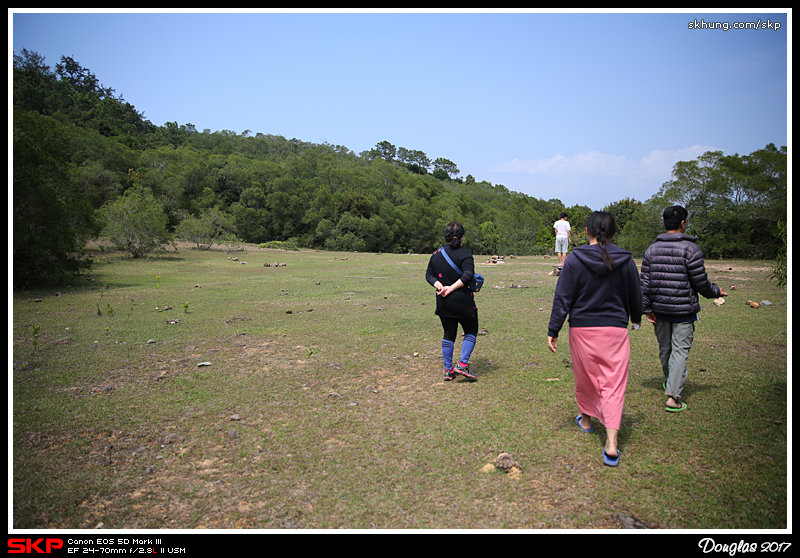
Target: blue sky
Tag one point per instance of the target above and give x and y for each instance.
(588, 108)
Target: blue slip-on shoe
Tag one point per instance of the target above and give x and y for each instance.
(611, 461)
(578, 422)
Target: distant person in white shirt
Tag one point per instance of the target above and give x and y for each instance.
(563, 237)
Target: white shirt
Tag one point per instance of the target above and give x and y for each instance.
(562, 228)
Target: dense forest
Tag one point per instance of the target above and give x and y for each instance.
(88, 165)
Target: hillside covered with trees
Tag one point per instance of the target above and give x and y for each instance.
(87, 164)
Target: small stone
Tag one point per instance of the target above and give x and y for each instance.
(505, 462)
(629, 522)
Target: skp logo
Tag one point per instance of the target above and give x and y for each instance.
(29, 546)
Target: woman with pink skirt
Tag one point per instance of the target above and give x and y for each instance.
(599, 290)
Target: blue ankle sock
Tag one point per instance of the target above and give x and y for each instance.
(467, 345)
(447, 353)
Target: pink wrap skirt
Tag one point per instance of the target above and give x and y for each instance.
(600, 357)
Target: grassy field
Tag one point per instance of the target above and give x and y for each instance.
(194, 391)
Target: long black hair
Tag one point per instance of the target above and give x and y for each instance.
(602, 226)
(453, 234)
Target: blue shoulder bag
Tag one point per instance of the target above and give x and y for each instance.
(477, 279)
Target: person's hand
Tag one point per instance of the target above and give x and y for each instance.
(651, 317)
(450, 288)
(552, 343)
(722, 293)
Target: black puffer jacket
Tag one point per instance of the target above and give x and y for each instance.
(673, 273)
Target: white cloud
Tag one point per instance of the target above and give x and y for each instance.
(581, 163)
(595, 176)
(661, 162)
(658, 162)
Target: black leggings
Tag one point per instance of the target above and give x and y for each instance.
(450, 325)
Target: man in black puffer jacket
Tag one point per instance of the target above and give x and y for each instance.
(673, 273)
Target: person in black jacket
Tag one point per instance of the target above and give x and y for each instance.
(673, 273)
(599, 289)
(455, 303)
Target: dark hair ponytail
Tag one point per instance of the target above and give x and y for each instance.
(601, 225)
(453, 234)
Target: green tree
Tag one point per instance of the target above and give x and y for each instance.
(250, 214)
(403, 155)
(135, 223)
(421, 160)
(643, 226)
(419, 234)
(211, 226)
(385, 150)
(779, 272)
(486, 238)
(33, 83)
(447, 166)
(519, 226)
(622, 211)
(734, 202)
(75, 93)
(51, 219)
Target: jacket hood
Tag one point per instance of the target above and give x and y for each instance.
(591, 256)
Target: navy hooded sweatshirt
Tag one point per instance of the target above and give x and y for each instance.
(593, 295)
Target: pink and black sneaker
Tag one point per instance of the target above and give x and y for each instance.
(464, 370)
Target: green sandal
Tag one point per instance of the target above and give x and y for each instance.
(669, 409)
